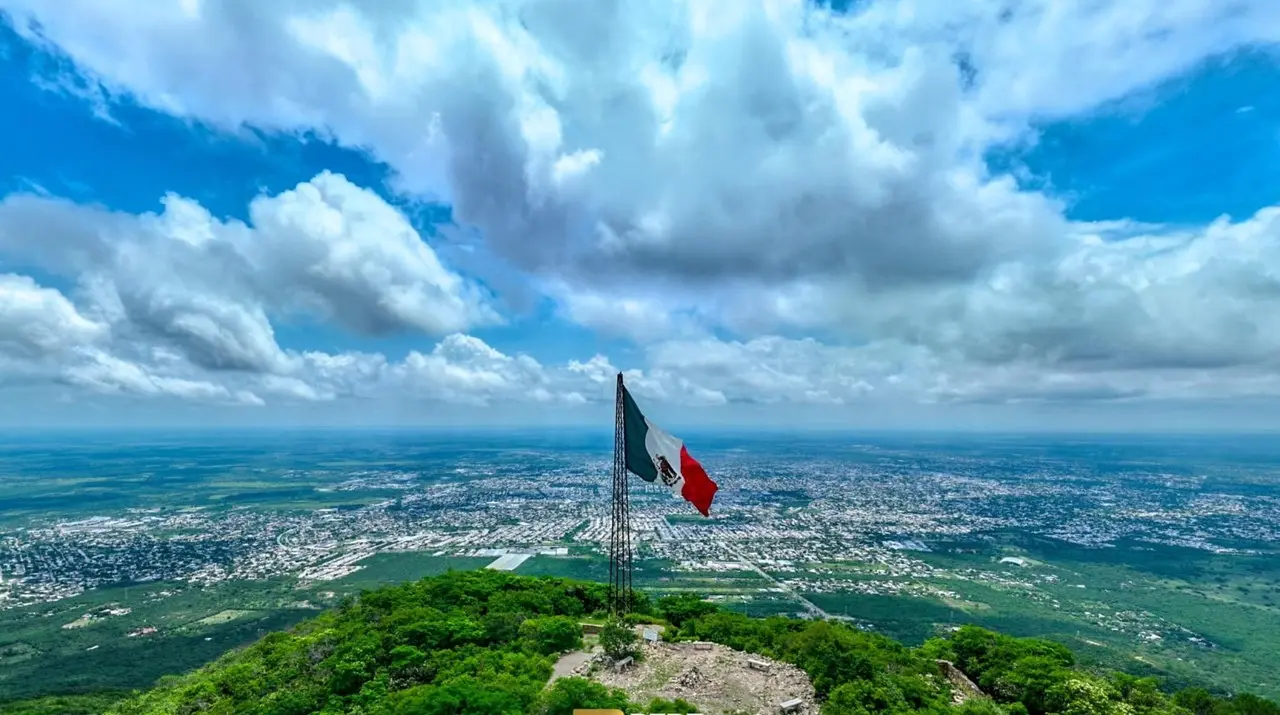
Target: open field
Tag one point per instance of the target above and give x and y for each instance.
(221, 617)
(192, 627)
(382, 569)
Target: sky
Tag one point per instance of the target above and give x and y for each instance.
(879, 214)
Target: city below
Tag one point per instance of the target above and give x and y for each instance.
(1122, 550)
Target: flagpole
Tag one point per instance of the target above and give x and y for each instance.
(613, 499)
(620, 521)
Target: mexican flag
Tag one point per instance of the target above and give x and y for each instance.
(654, 454)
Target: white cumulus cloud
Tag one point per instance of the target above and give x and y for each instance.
(210, 288)
(710, 180)
(38, 322)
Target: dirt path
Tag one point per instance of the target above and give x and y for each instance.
(568, 663)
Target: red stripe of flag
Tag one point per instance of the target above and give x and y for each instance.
(698, 488)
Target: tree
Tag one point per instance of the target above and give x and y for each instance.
(865, 697)
(980, 706)
(831, 656)
(1081, 695)
(679, 705)
(464, 696)
(938, 649)
(567, 694)
(502, 626)
(617, 640)
(1029, 680)
(993, 661)
(1247, 704)
(1198, 700)
(1142, 693)
(407, 666)
(552, 634)
(682, 607)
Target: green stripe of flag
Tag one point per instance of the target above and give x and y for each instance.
(634, 429)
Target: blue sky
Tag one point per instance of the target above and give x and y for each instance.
(1186, 151)
(754, 244)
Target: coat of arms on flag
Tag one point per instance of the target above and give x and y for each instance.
(654, 454)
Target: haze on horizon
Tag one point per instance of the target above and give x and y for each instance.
(892, 214)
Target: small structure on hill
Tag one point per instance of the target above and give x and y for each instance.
(622, 665)
(791, 706)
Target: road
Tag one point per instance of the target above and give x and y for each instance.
(809, 606)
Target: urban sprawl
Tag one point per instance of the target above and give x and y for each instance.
(785, 532)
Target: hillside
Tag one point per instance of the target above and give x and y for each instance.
(485, 643)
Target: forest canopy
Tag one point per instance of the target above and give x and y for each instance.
(485, 642)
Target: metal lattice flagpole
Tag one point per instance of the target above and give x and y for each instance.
(620, 521)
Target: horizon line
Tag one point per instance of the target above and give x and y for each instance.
(718, 429)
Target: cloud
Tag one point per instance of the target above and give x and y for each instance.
(1204, 299)
(45, 337)
(210, 289)
(105, 373)
(780, 372)
(767, 370)
(38, 323)
(1051, 60)
(343, 252)
(465, 369)
(325, 376)
(672, 140)
(667, 142)
(635, 315)
(700, 177)
(182, 305)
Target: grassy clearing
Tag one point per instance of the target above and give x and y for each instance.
(393, 568)
(225, 616)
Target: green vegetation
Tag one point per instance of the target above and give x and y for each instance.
(568, 693)
(484, 642)
(617, 640)
(473, 642)
(94, 704)
(398, 567)
(552, 634)
(847, 666)
(679, 705)
(39, 657)
(1039, 677)
(583, 568)
(1186, 616)
(859, 673)
(223, 617)
(681, 608)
